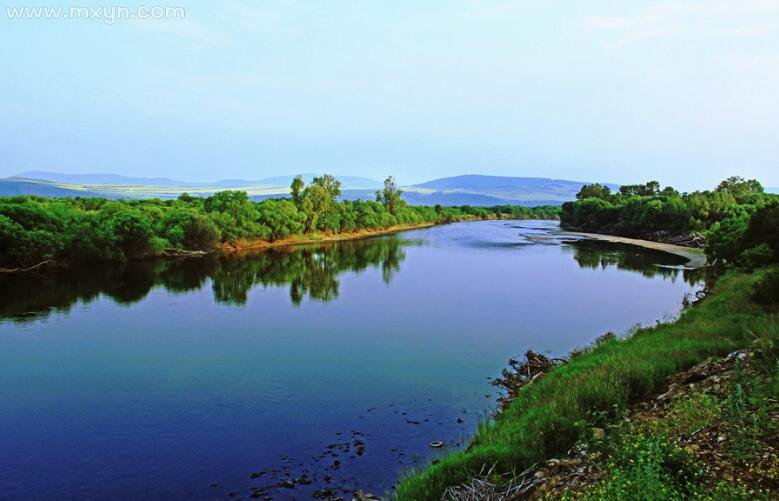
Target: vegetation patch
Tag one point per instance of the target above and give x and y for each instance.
(35, 229)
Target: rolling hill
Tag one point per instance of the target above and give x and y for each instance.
(507, 188)
(349, 182)
(475, 190)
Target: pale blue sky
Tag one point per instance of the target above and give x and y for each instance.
(686, 92)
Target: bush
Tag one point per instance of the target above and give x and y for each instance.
(766, 291)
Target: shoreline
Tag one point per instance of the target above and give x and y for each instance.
(613, 372)
(315, 238)
(695, 257)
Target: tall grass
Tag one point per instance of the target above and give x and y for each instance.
(607, 378)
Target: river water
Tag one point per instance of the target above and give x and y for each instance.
(336, 364)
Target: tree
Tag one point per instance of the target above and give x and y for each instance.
(330, 184)
(132, 231)
(740, 187)
(187, 228)
(390, 196)
(594, 191)
(319, 199)
(650, 189)
(282, 217)
(296, 190)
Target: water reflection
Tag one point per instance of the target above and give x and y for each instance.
(309, 271)
(596, 254)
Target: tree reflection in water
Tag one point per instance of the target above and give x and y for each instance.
(308, 271)
(595, 254)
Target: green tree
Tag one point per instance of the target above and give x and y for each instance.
(594, 191)
(319, 200)
(330, 184)
(296, 190)
(390, 196)
(132, 232)
(739, 187)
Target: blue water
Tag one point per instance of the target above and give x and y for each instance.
(162, 379)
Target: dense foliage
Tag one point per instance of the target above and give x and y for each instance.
(738, 219)
(34, 229)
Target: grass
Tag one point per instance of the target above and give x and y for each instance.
(606, 379)
(644, 459)
(644, 466)
(746, 413)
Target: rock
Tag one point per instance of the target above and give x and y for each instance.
(323, 493)
(436, 444)
(365, 496)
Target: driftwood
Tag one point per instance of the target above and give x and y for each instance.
(521, 374)
(31, 268)
(490, 486)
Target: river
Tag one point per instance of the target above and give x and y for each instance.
(340, 362)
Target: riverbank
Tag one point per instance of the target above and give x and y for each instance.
(316, 238)
(696, 257)
(258, 245)
(597, 385)
(712, 433)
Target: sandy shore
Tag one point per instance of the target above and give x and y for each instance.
(696, 257)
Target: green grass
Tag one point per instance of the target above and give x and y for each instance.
(644, 460)
(542, 421)
(646, 466)
(746, 413)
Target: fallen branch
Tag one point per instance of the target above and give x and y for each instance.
(31, 268)
(522, 374)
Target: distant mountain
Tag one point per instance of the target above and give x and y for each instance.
(347, 182)
(508, 188)
(13, 186)
(460, 190)
(112, 179)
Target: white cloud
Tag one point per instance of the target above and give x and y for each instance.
(690, 19)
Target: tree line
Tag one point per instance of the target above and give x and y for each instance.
(34, 229)
(737, 219)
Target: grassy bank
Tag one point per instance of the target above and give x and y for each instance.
(713, 434)
(545, 419)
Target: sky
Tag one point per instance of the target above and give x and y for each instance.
(682, 91)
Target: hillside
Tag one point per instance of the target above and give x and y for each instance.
(11, 186)
(96, 179)
(473, 190)
(508, 188)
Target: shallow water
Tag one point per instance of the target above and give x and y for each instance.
(160, 379)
